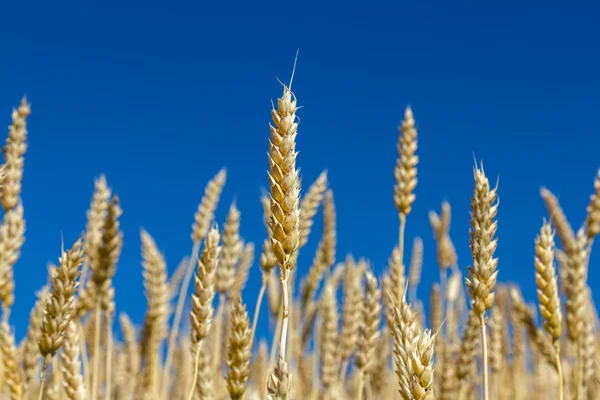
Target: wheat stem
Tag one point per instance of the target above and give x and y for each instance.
(259, 299)
(400, 288)
(43, 376)
(284, 312)
(276, 336)
(484, 356)
(195, 377)
(361, 384)
(84, 358)
(96, 371)
(560, 377)
(107, 393)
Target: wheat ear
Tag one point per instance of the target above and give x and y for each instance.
(350, 315)
(368, 334)
(14, 152)
(547, 291)
(593, 211)
(10, 362)
(12, 237)
(422, 366)
(330, 361)
(309, 205)
(131, 351)
(285, 197)
(202, 299)
(96, 216)
(59, 306)
(483, 273)
(239, 349)
(559, 220)
(71, 364)
(231, 252)
(278, 384)
(155, 320)
(416, 265)
(403, 332)
(30, 349)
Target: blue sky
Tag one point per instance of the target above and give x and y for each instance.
(159, 96)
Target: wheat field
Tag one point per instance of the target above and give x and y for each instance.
(346, 333)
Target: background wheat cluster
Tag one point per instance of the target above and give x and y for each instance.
(339, 332)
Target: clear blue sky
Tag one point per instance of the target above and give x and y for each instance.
(160, 95)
